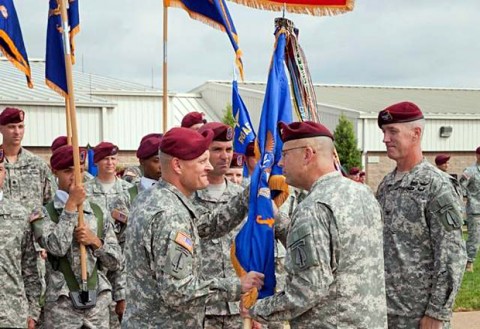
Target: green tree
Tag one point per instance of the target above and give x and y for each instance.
(228, 118)
(346, 144)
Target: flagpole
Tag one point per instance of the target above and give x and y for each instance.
(165, 68)
(73, 119)
(69, 121)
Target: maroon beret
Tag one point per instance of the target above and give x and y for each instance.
(59, 141)
(148, 147)
(103, 150)
(305, 129)
(250, 151)
(354, 171)
(185, 143)
(221, 131)
(193, 118)
(441, 159)
(477, 150)
(362, 173)
(62, 157)
(11, 115)
(156, 135)
(398, 113)
(2, 155)
(237, 160)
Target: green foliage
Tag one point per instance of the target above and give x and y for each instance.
(468, 298)
(346, 144)
(228, 118)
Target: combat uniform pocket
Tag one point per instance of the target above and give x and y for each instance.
(179, 261)
(302, 249)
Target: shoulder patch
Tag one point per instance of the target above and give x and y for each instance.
(184, 240)
(119, 216)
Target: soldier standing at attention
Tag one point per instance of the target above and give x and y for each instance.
(20, 289)
(423, 247)
(216, 252)
(57, 231)
(63, 140)
(28, 176)
(441, 161)
(470, 181)
(111, 193)
(193, 120)
(133, 174)
(163, 248)
(235, 172)
(334, 262)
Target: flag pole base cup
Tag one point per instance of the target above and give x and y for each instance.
(83, 300)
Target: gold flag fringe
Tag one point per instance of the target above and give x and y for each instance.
(17, 59)
(315, 10)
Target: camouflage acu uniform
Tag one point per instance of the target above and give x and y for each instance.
(470, 181)
(117, 198)
(216, 261)
(132, 174)
(334, 261)
(163, 259)
(28, 181)
(20, 288)
(423, 247)
(58, 240)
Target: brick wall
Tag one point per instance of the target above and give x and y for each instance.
(376, 170)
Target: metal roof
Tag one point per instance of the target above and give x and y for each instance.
(371, 99)
(88, 87)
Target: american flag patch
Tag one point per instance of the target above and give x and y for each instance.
(184, 240)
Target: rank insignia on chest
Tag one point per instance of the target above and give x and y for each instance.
(184, 240)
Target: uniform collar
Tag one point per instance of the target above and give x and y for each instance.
(147, 182)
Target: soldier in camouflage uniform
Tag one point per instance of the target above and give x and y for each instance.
(20, 288)
(470, 181)
(111, 193)
(62, 237)
(27, 180)
(334, 263)
(163, 245)
(423, 247)
(216, 252)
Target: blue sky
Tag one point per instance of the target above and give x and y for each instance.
(428, 43)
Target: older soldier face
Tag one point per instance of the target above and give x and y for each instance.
(107, 165)
(13, 133)
(400, 139)
(290, 163)
(195, 173)
(235, 175)
(220, 157)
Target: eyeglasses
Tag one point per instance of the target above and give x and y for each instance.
(293, 148)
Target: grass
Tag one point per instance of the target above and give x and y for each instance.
(468, 298)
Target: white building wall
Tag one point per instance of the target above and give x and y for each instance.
(44, 123)
(131, 119)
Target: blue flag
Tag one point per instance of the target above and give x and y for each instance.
(55, 75)
(215, 13)
(244, 133)
(254, 245)
(92, 168)
(11, 40)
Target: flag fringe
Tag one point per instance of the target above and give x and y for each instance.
(17, 59)
(250, 297)
(72, 35)
(277, 183)
(199, 17)
(56, 88)
(315, 10)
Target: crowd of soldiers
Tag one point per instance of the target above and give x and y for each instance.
(158, 241)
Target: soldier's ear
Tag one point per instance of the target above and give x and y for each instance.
(177, 165)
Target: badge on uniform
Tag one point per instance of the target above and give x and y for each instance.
(119, 216)
(386, 116)
(184, 240)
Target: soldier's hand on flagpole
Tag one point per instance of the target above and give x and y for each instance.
(85, 236)
(31, 323)
(76, 197)
(252, 280)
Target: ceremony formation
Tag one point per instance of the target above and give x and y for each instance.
(300, 213)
